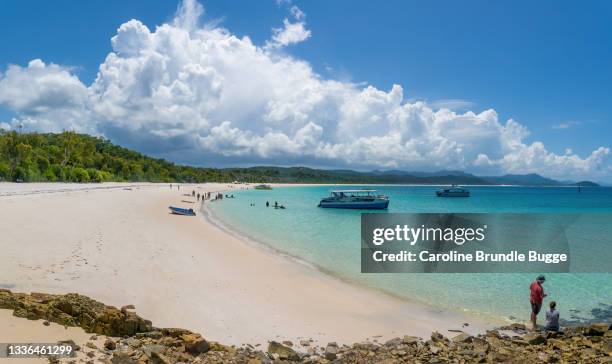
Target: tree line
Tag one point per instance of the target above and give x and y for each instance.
(72, 157)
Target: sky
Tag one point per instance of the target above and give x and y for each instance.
(485, 87)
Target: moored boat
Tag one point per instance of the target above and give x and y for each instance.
(453, 191)
(263, 187)
(181, 211)
(355, 199)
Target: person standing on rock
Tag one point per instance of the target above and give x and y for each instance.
(536, 297)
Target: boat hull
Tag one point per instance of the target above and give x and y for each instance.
(453, 194)
(374, 205)
(181, 211)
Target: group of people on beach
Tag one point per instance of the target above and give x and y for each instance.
(536, 298)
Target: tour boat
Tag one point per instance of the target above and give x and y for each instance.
(355, 199)
(453, 191)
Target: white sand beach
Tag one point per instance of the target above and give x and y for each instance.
(117, 243)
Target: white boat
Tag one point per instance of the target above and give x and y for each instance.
(263, 187)
(355, 199)
(453, 191)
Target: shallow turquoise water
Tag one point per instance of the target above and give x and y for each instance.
(330, 239)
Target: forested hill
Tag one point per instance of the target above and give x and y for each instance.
(71, 157)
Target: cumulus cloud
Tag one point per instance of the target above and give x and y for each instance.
(205, 94)
(290, 33)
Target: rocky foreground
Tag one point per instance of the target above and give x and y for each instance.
(134, 340)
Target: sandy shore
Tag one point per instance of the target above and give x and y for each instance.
(118, 244)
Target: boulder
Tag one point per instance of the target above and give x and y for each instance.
(110, 344)
(283, 352)
(331, 351)
(195, 344)
(410, 340)
(462, 338)
(599, 329)
(437, 337)
(534, 338)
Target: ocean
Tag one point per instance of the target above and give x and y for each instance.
(330, 240)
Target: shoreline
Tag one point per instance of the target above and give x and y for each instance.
(208, 281)
(267, 248)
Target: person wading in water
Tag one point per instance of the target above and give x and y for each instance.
(536, 297)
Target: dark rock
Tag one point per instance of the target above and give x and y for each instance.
(534, 338)
(331, 351)
(110, 344)
(599, 328)
(283, 352)
(462, 338)
(195, 344)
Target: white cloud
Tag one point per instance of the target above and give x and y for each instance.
(566, 124)
(290, 33)
(203, 93)
(452, 104)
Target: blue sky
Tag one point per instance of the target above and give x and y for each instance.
(545, 64)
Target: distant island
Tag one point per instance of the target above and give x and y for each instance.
(72, 157)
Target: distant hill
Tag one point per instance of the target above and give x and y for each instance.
(71, 157)
(531, 179)
(586, 184)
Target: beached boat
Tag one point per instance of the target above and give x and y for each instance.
(355, 199)
(263, 187)
(181, 211)
(453, 191)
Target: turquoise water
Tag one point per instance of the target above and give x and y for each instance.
(330, 239)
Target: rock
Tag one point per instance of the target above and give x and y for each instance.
(514, 327)
(305, 342)
(462, 338)
(46, 323)
(110, 344)
(195, 344)
(128, 307)
(91, 345)
(283, 352)
(437, 337)
(288, 343)
(599, 329)
(410, 340)
(534, 338)
(74, 346)
(157, 358)
(331, 351)
(394, 342)
(606, 346)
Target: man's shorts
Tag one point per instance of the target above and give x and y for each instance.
(535, 308)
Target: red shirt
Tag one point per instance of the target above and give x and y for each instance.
(537, 293)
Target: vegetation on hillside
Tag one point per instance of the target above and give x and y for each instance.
(72, 157)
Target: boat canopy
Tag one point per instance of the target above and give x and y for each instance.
(352, 191)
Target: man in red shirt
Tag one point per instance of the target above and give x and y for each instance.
(536, 298)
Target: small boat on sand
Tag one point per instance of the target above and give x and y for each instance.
(355, 199)
(181, 211)
(453, 191)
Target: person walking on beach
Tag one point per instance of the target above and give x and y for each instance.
(552, 318)
(267, 203)
(536, 297)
